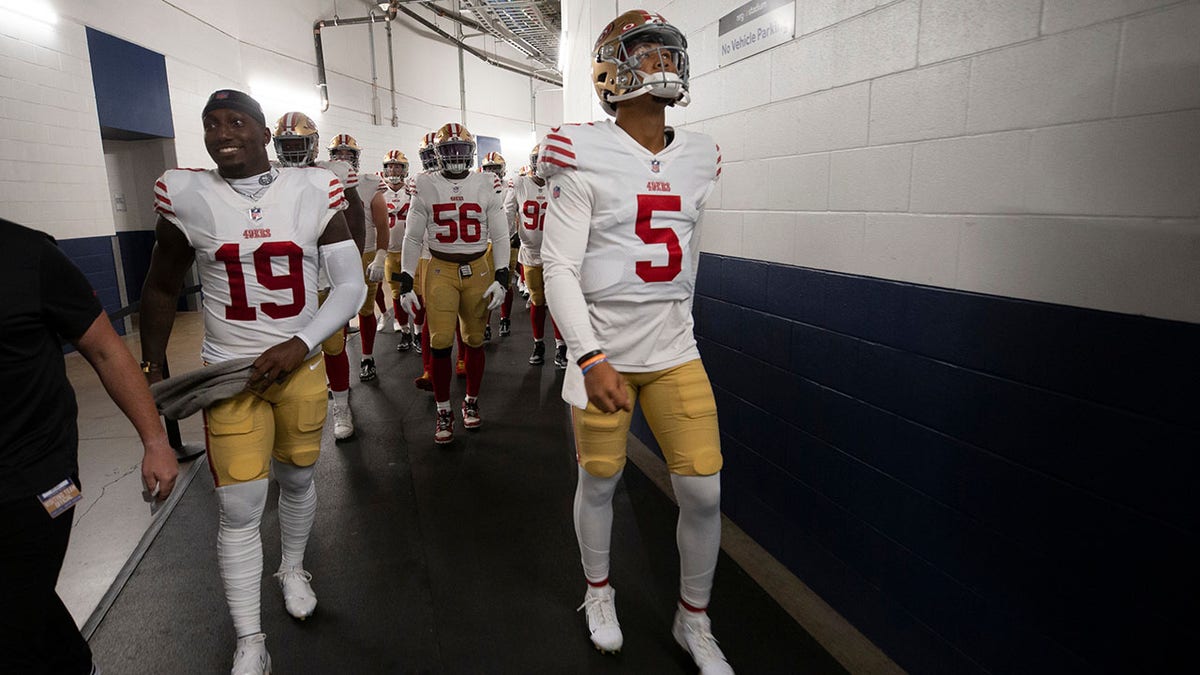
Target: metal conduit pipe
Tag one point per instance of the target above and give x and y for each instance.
(475, 52)
(392, 74)
(374, 71)
(322, 84)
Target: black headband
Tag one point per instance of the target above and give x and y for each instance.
(236, 100)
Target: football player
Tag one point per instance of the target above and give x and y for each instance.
(461, 212)
(395, 178)
(296, 145)
(526, 209)
(255, 233)
(493, 162)
(620, 248)
(370, 188)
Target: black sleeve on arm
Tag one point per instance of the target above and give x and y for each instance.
(69, 305)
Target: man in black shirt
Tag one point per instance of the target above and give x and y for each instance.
(44, 297)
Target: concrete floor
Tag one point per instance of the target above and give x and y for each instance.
(112, 518)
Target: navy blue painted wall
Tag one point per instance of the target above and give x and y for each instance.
(94, 257)
(123, 72)
(979, 484)
(136, 247)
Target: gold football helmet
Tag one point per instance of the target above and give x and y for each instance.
(296, 139)
(531, 170)
(455, 147)
(429, 160)
(630, 41)
(345, 148)
(395, 168)
(493, 162)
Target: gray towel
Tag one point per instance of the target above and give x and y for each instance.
(185, 395)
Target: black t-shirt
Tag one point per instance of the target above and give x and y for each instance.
(42, 296)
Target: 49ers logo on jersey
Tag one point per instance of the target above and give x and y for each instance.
(658, 186)
(257, 233)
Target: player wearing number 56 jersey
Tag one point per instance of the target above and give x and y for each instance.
(620, 247)
(255, 233)
(458, 212)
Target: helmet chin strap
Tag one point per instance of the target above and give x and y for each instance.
(664, 85)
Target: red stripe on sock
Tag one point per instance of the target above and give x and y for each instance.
(597, 584)
(698, 610)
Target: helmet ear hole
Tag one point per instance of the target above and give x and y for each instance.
(603, 77)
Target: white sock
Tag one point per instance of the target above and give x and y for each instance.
(297, 510)
(593, 522)
(698, 535)
(239, 552)
(443, 405)
(559, 343)
(342, 397)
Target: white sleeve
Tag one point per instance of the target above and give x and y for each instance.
(343, 263)
(512, 210)
(415, 226)
(564, 242)
(498, 233)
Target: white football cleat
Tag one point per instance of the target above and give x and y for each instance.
(251, 657)
(601, 609)
(298, 596)
(693, 632)
(343, 421)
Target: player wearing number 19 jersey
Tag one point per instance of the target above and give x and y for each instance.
(620, 247)
(255, 232)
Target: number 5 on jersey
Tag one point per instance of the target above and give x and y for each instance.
(646, 269)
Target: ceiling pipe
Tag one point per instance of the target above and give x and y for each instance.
(322, 84)
(471, 50)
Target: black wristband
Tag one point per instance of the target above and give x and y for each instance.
(585, 357)
(405, 280)
(514, 241)
(502, 277)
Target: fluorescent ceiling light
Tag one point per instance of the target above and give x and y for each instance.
(287, 98)
(34, 10)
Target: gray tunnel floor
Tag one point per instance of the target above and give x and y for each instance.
(456, 560)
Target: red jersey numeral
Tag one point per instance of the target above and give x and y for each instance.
(646, 269)
(461, 225)
(535, 215)
(292, 280)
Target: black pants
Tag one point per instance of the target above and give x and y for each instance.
(37, 633)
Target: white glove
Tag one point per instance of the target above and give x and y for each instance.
(494, 295)
(410, 303)
(375, 269)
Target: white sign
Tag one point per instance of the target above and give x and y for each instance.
(754, 27)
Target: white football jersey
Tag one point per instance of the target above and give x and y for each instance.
(527, 208)
(369, 185)
(457, 215)
(344, 171)
(621, 243)
(257, 259)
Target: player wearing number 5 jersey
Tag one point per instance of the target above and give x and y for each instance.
(460, 211)
(255, 233)
(620, 247)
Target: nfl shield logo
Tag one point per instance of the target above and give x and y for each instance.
(555, 193)
(654, 165)
(256, 214)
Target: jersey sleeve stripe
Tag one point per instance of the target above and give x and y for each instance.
(560, 151)
(558, 137)
(338, 191)
(551, 160)
(333, 182)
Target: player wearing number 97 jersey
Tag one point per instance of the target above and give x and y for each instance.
(620, 247)
(255, 233)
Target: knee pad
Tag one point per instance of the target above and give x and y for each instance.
(241, 505)
(334, 344)
(603, 468)
(293, 478)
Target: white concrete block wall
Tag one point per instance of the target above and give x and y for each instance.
(48, 108)
(1040, 149)
(49, 135)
